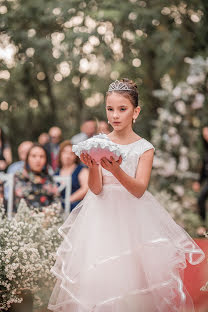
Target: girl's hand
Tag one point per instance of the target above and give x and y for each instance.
(88, 160)
(111, 165)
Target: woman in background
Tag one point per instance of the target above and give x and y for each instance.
(33, 183)
(5, 152)
(69, 165)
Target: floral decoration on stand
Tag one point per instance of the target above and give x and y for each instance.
(176, 135)
(28, 243)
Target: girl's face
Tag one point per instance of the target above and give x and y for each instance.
(67, 156)
(37, 159)
(120, 111)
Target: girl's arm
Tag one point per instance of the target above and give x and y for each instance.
(80, 193)
(138, 185)
(95, 174)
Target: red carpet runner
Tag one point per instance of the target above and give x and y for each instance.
(197, 276)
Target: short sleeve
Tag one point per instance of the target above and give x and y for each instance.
(147, 146)
(143, 146)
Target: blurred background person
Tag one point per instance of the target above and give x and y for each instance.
(23, 149)
(33, 183)
(202, 185)
(5, 152)
(69, 164)
(88, 129)
(103, 127)
(52, 147)
(43, 138)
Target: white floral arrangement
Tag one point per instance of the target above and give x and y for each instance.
(99, 146)
(176, 133)
(28, 243)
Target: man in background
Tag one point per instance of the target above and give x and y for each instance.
(52, 148)
(103, 127)
(88, 129)
(43, 138)
(23, 149)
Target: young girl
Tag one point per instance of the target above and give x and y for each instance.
(122, 252)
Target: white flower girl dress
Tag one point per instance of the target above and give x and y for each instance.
(121, 253)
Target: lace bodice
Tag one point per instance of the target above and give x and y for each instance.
(132, 153)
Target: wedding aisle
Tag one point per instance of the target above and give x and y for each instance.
(197, 276)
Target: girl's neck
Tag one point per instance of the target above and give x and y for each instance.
(123, 136)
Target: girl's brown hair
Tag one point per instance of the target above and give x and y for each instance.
(132, 92)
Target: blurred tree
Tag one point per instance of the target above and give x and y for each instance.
(58, 57)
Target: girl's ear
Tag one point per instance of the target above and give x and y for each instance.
(136, 112)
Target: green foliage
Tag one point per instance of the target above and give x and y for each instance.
(64, 52)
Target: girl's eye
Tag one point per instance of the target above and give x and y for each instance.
(109, 109)
(123, 109)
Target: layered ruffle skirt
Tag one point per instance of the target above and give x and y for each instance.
(122, 254)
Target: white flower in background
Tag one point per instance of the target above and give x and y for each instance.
(88, 48)
(198, 101)
(172, 131)
(180, 107)
(175, 140)
(177, 91)
(166, 83)
(177, 119)
(160, 94)
(169, 168)
(179, 189)
(165, 137)
(183, 150)
(183, 163)
(157, 162)
(196, 79)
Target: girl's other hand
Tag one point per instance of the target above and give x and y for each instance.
(88, 160)
(111, 165)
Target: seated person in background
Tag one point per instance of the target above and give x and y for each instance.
(43, 138)
(52, 147)
(69, 165)
(34, 184)
(88, 129)
(5, 152)
(23, 149)
(103, 127)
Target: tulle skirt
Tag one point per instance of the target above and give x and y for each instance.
(122, 254)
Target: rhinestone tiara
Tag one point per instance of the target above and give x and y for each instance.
(118, 86)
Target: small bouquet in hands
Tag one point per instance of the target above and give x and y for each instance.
(98, 147)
